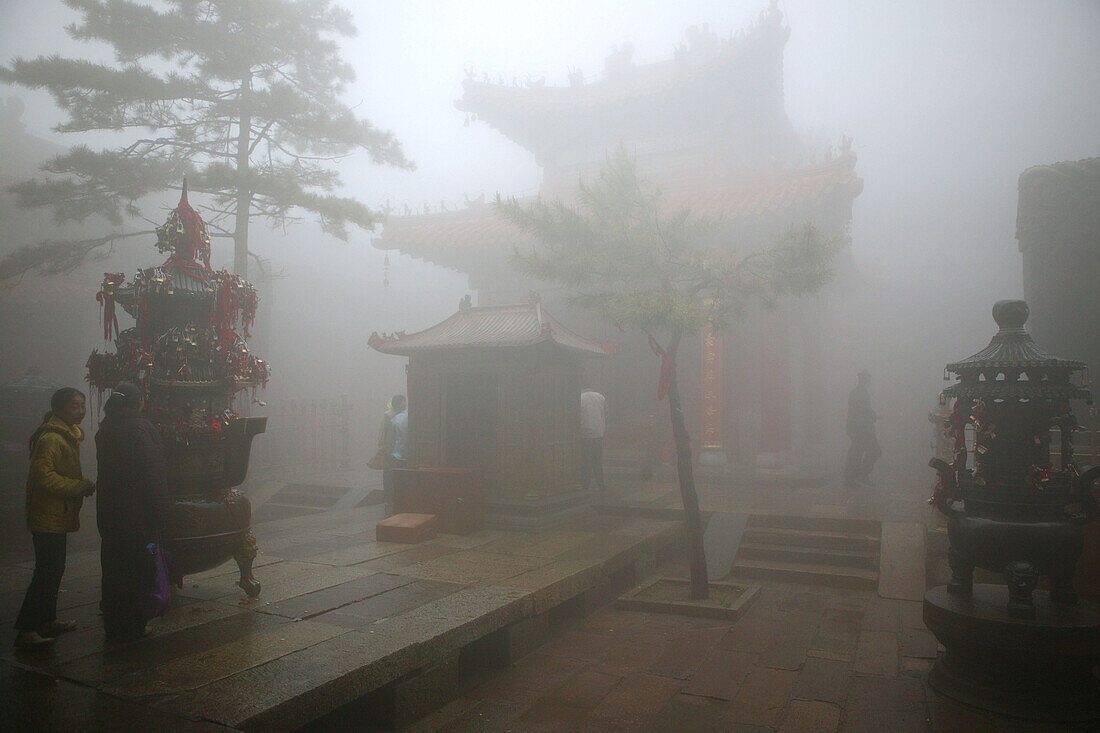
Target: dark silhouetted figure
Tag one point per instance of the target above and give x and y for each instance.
(865, 449)
(131, 509)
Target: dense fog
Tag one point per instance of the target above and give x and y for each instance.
(946, 103)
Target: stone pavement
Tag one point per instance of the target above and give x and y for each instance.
(800, 660)
(340, 616)
(501, 631)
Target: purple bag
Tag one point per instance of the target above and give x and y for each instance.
(158, 595)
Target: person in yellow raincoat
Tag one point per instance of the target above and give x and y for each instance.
(55, 492)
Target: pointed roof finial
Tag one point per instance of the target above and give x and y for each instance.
(183, 196)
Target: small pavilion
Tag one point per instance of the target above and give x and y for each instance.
(497, 389)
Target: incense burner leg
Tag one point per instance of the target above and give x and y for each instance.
(1021, 578)
(962, 573)
(244, 556)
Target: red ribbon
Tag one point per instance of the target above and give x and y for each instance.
(668, 363)
(110, 318)
(106, 299)
(194, 230)
(223, 314)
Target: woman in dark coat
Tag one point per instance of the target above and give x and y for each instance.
(131, 509)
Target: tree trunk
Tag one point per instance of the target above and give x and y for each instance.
(697, 559)
(244, 185)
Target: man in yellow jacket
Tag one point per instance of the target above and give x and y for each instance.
(55, 492)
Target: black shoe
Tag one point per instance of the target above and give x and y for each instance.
(32, 640)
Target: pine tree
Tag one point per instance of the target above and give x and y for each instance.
(626, 257)
(241, 96)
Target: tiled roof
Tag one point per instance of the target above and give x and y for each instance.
(706, 69)
(489, 326)
(1013, 366)
(450, 238)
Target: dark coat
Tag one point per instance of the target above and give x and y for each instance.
(132, 493)
(861, 418)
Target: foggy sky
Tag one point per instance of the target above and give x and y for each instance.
(947, 102)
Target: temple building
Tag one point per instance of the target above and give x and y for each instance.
(709, 127)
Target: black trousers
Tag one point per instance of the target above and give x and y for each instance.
(40, 603)
(862, 455)
(125, 582)
(591, 462)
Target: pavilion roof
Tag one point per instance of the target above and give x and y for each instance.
(453, 238)
(708, 74)
(489, 327)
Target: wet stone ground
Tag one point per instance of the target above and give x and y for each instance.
(801, 659)
(342, 615)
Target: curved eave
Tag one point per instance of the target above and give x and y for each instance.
(985, 365)
(453, 238)
(1016, 391)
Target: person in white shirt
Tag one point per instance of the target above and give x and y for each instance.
(593, 426)
(395, 442)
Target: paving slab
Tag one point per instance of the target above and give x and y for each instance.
(34, 701)
(720, 675)
(340, 615)
(473, 566)
(811, 717)
(393, 601)
(823, 680)
(901, 561)
(634, 700)
(877, 653)
(335, 597)
(195, 670)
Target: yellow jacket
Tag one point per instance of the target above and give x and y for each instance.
(55, 486)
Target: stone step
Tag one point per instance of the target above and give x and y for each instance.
(809, 555)
(793, 572)
(825, 540)
(841, 525)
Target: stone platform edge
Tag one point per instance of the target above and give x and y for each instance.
(303, 686)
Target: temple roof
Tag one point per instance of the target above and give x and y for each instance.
(452, 238)
(489, 327)
(712, 89)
